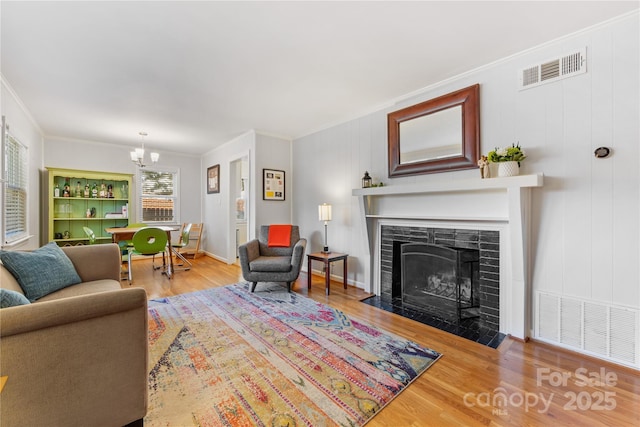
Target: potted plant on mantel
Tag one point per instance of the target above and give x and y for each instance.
(508, 159)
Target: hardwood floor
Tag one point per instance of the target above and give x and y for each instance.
(471, 385)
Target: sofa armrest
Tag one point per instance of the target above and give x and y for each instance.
(248, 252)
(75, 361)
(49, 314)
(95, 262)
(298, 254)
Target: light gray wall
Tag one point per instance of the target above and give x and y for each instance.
(263, 151)
(96, 156)
(586, 217)
(25, 130)
(272, 153)
(219, 223)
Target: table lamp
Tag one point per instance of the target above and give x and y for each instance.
(324, 214)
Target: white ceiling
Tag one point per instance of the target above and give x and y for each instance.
(194, 75)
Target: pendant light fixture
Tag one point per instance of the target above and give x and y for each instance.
(137, 156)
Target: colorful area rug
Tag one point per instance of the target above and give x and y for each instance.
(227, 357)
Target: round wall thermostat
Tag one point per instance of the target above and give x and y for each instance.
(602, 152)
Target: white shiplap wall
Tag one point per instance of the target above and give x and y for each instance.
(586, 218)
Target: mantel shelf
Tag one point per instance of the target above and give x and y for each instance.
(440, 218)
(476, 184)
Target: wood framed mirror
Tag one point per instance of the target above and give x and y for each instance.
(439, 135)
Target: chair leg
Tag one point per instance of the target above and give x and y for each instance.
(253, 286)
(289, 287)
(153, 262)
(166, 266)
(136, 423)
(183, 259)
(124, 274)
(129, 266)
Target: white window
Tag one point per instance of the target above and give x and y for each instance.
(158, 199)
(15, 189)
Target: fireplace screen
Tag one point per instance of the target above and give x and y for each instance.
(440, 278)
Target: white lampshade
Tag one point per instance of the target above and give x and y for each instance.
(324, 212)
(140, 153)
(134, 156)
(155, 157)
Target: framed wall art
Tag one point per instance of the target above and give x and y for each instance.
(273, 184)
(213, 179)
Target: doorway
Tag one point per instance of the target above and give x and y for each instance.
(239, 191)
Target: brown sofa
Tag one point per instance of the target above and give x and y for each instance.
(78, 356)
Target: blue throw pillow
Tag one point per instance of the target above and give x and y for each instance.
(42, 271)
(9, 298)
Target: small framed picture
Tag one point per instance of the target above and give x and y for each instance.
(273, 184)
(213, 179)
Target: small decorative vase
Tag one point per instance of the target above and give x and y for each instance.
(508, 169)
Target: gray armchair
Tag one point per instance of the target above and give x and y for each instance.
(261, 263)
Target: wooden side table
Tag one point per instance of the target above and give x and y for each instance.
(327, 259)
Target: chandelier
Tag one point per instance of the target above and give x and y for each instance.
(137, 156)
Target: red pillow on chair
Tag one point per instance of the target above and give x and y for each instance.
(279, 235)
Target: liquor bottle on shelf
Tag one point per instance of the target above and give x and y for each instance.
(110, 191)
(66, 192)
(78, 189)
(87, 192)
(56, 191)
(103, 191)
(94, 191)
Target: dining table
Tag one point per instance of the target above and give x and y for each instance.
(119, 234)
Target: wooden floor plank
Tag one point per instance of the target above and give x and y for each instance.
(459, 389)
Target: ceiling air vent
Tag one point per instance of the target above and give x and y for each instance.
(554, 69)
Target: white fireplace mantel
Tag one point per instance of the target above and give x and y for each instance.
(513, 192)
(513, 182)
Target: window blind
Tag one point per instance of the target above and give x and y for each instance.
(158, 196)
(15, 191)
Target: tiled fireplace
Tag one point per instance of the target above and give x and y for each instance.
(480, 292)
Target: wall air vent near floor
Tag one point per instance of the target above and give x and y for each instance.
(554, 69)
(605, 330)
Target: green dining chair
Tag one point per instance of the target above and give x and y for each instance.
(182, 243)
(134, 225)
(148, 241)
(90, 234)
(125, 245)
